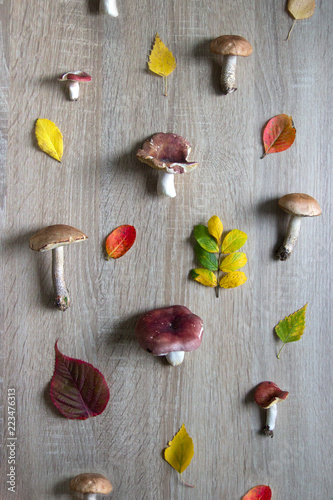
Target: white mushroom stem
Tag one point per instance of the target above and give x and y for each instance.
(270, 420)
(61, 295)
(74, 90)
(228, 74)
(108, 7)
(175, 358)
(291, 238)
(166, 184)
(88, 496)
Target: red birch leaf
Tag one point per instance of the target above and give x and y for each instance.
(260, 492)
(279, 134)
(78, 389)
(120, 241)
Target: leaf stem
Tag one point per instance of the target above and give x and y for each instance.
(165, 87)
(218, 275)
(278, 356)
(292, 27)
(187, 484)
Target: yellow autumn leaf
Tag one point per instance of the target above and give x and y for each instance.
(161, 60)
(180, 451)
(215, 228)
(300, 9)
(233, 241)
(49, 138)
(204, 276)
(233, 262)
(232, 280)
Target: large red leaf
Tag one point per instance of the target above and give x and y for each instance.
(120, 241)
(279, 134)
(260, 492)
(78, 389)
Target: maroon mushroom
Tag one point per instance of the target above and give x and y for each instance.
(267, 395)
(74, 78)
(167, 153)
(169, 331)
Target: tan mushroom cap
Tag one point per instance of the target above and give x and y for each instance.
(55, 236)
(300, 204)
(231, 45)
(90, 482)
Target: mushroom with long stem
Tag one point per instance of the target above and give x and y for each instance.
(298, 205)
(90, 486)
(54, 238)
(267, 395)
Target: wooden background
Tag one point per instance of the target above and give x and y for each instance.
(100, 185)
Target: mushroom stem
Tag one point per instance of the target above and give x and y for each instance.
(175, 358)
(87, 496)
(270, 420)
(74, 90)
(108, 7)
(61, 295)
(228, 74)
(290, 240)
(166, 184)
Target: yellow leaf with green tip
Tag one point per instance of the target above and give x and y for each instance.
(215, 228)
(204, 276)
(291, 328)
(49, 138)
(233, 241)
(233, 262)
(180, 451)
(232, 280)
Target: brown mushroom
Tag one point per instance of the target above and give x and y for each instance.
(169, 331)
(54, 238)
(74, 78)
(230, 46)
(267, 395)
(90, 486)
(298, 205)
(168, 154)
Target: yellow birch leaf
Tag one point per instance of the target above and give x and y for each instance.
(233, 262)
(204, 276)
(49, 138)
(215, 228)
(301, 9)
(161, 60)
(232, 280)
(180, 451)
(291, 328)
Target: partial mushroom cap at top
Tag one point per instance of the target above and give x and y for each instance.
(231, 45)
(167, 152)
(55, 236)
(75, 76)
(91, 483)
(169, 329)
(300, 204)
(268, 394)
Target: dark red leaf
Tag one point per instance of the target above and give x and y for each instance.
(78, 389)
(260, 492)
(120, 241)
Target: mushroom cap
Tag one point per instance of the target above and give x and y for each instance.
(75, 76)
(90, 482)
(167, 152)
(231, 45)
(268, 394)
(169, 329)
(55, 236)
(300, 204)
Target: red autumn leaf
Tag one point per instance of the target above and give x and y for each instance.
(78, 389)
(260, 492)
(279, 134)
(120, 241)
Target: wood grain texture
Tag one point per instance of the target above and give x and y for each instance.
(100, 185)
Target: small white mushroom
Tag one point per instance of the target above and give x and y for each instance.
(108, 7)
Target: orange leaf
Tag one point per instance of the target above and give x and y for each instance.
(120, 241)
(279, 134)
(260, 492)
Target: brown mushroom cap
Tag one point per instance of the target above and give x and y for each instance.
(167, 152)
(55, 236)
(231, 45)
(91, 483)
(169, 329)
(268, 394)
(75, 76)
(300, 204)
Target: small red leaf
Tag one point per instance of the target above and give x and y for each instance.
(78, 389)
(120, 241)
(260, 492)
(279, 134)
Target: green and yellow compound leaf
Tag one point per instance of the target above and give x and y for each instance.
(206, 259)
(204, 276)
(215, 228)
(232, 280)
(291, 328)
(49, 138)
(205, 240)
(161, 60)
(233, 262)
(233, 241)
(180, 451)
